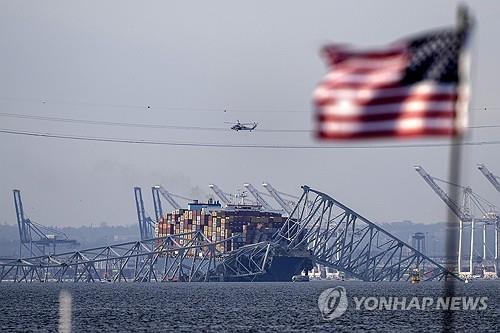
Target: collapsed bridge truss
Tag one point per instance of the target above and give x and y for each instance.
(340, 238)
(185, 257)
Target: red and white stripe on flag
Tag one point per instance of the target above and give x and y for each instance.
(364, 95)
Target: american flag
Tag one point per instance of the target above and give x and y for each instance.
(413, 87)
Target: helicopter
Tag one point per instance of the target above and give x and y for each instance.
(243, 126)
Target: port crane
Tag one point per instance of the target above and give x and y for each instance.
(146, 224)
(223, 196)
(287, 205)
(465, 214)
(258, 196)
(35, 237)
(494, 180)
(169, 196)
(284, 203)
(157, 202)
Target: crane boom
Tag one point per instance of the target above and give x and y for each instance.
(490, 176)
(455, 208)
(256, 194)
(168, 196)
(275, 194)
(222, 196)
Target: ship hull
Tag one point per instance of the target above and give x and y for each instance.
(282, 269)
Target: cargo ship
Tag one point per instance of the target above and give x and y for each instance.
(249, 223)
(284, 268)
(281, 268)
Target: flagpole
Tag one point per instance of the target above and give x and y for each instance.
(452, 226)
(454, 174)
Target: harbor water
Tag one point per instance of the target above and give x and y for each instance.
(233, 307)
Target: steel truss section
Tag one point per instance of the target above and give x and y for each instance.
(247, 262)
(186, 257)
(340, 238)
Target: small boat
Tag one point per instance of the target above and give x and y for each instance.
(300, 278)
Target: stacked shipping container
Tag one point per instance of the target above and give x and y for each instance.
(252, 226)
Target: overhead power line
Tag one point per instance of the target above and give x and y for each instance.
(224, 145)
(164, 126)
(177, 108)
(106, 123)
(125, 124)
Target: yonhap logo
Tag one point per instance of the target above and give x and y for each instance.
(332, 302)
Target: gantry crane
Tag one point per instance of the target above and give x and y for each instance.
(258, 196)
(169, 196)
(146, 224)
(221, 194)
(494, 180)
(287, 205)
(157, 202)
(465, 214)
(35, 237)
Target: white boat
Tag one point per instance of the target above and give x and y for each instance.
(300, 278)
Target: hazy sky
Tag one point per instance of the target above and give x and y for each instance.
(109, 60)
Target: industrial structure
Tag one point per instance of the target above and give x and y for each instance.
(35, 238)
(495, 181)
(340, 238)
(188, 257)
(251, 245)
(258, 197)
(418, 242)
(146, 224)
(170, 197)
(472, 212)
(285, 204)
(223, 196)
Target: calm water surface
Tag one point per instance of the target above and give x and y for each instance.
(231, 307)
